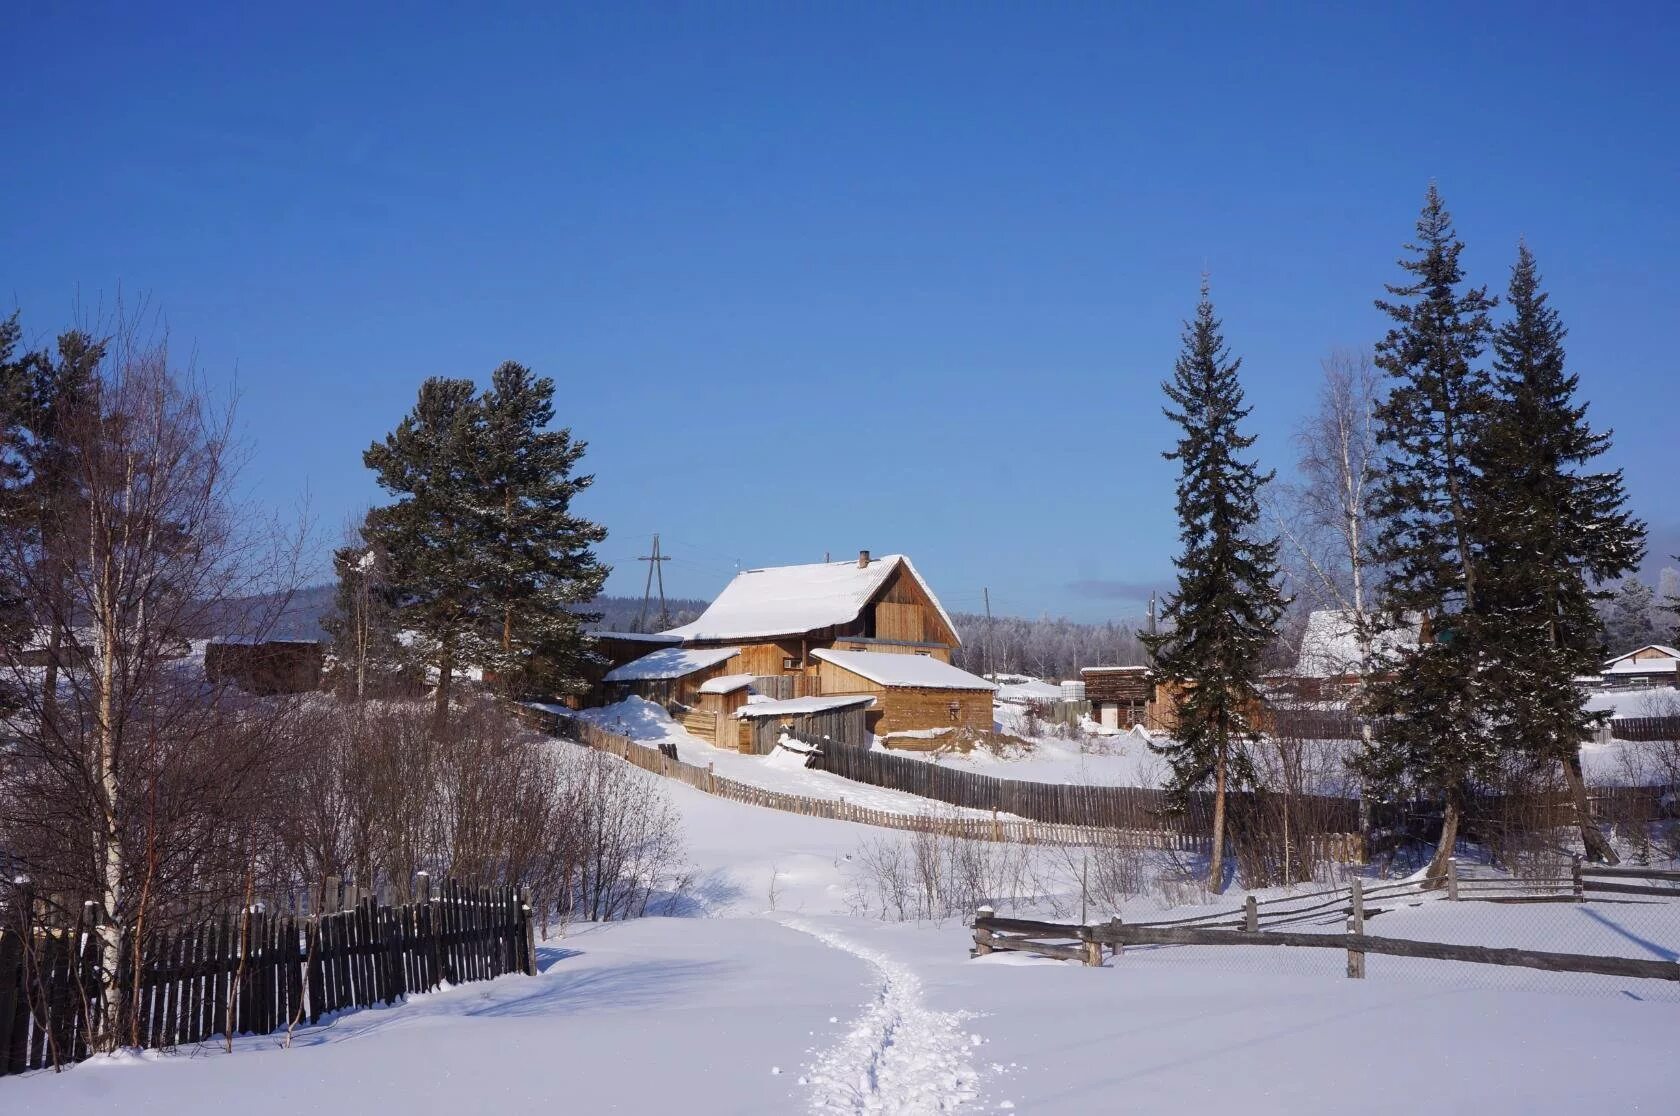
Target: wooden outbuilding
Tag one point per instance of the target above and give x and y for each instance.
(1119, 695)
(1655, 664)
(911, 691)
(671, 674)
(274, 666)
(841, 719)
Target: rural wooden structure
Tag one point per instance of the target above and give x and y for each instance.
(779, 615)
(273, 666)
(1254, 924)
(248, 973)
(671, 674)
(1655, 664)
(1120, 696)
(911, 692)
(840, 720)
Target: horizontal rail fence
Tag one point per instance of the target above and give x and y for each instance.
(1254, 925)
(995, 828)
(1645, 728)
(249, 973)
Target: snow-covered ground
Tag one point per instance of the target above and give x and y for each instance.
(777, 999)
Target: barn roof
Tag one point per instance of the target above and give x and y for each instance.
(790, 600)
(793, 706)
(671, 662)
(639, 637)
(1330, 645)
(919, 671)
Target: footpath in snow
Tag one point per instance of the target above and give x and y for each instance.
(899, 1055)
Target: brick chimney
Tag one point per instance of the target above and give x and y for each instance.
(863, 559)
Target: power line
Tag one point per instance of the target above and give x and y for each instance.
(656, 568)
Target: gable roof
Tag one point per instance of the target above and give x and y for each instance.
(671, 662)
(1666, 661)
(1330, 645)
(791, 600)
(920, 671)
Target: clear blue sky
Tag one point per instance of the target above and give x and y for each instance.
(820, 277)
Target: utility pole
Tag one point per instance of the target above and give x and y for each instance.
(986, 657)
(656, 569)
(1151, 626)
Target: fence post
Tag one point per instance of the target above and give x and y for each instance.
(995, 836)
(1575, 878)
(1356, 926)
(711, 776)
(530, 932)
(982, 936)
(329, 895)
(1115, 947)
(1251, 914)
(1452, 878)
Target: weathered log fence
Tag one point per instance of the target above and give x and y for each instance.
(248, 972)
(1254, 925)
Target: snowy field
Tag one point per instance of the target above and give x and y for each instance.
(774, 998)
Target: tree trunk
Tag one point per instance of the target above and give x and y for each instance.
(109, 836)
(1436, 876)
(440, 711)
(1216, 863)
(1592, 838)
(49, 684)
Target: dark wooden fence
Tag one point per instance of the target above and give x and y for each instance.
(1645, 728)
(248, 973)
(1066, 804)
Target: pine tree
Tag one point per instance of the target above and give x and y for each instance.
(1432, 735)
(1553, 531)
(430, 463)
(1631, 621)
(537, 556)
(1226, 607)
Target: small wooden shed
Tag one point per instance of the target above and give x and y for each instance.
(274, 666)
(910, 691)
(841, 718)
(1119, 695)
(671, 674)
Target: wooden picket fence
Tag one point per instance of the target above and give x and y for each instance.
(991, 824)
(248, 973)
(1645, 728)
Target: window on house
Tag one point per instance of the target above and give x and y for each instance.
(790, 664)
(956, 710)
(924, 654)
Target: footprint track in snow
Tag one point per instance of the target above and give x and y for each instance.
(898, 1055)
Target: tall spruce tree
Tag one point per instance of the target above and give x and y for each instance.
(1433, 735)
(1553, 530)
(430, 462)
(1226, 606)
(538, 560)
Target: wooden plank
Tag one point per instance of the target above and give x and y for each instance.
(1590, 870)
(1632, 889)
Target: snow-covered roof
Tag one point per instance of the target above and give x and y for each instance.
(671, 662)
(921, 671)
(791, 706)
(1330, 645)
(788, 600)
(1665, 661)
(725, 683)
(639, 637)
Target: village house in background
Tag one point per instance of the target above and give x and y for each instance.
(1655, 664)
(803, 636)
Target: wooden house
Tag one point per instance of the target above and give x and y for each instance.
(1655, 664)
(910, 691)
(841, 719)
(671, 674)
(780, 615)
